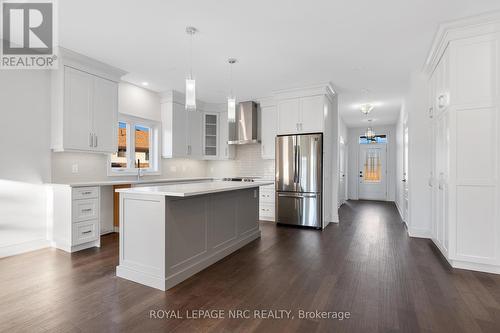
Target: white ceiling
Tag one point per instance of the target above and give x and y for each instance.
(279, 44)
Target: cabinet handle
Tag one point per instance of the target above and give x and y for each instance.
(95, 140)
(86, 193)
(441, 101)
(87, 232)
(431, 113)
(91, 139)
(87, 210)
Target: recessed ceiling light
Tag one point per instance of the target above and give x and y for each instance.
(145, 84)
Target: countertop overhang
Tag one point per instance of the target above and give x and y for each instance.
(192, 189)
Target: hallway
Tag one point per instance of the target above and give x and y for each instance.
(366, 265)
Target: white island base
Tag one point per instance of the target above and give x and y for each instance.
(168, 236)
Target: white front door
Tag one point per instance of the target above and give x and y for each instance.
(372, 172)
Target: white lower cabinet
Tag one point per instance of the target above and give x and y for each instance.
(266, 203)
(464, 110)
(76, 217)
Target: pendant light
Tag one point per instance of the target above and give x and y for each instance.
(190, 82)
(366, 108)
(231, 100)
(370, 133)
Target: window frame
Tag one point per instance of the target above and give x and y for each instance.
(154, 144)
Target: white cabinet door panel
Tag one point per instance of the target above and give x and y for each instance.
(195, 134)
(78, 109)
(288, 116)
(311, 114)
(105, 106)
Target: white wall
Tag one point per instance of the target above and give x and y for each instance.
(353, 153)
(420, 157)
(138, 102)
(25, 160)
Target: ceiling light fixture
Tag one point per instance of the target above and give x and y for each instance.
(366, 108)
(231, 100)
(145, 84)
(370, 133)
(190, 82)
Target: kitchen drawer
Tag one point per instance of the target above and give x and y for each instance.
(86, 231)
(266, 212)
(85, 193)
(87, 209)
(267, 196)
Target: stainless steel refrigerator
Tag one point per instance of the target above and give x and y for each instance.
(299, 179)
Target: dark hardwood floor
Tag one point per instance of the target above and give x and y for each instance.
(366, 265)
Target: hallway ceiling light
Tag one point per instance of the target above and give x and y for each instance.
(370, 133)
(190, 82)
(366, 108)
(231, 100)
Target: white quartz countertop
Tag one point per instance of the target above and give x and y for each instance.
(191, 189)
(135, 182)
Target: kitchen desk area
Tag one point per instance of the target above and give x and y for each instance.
(169, 233)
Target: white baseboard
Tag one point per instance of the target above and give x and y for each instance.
(11, 250)
(472, 266)
(400, 212)
(419, 233)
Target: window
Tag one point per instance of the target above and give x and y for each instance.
(363, 140)
(137, 147)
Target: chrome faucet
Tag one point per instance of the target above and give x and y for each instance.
(139, 173)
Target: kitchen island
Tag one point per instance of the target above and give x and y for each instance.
(169, 233)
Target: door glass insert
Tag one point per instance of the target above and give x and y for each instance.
(373, 166)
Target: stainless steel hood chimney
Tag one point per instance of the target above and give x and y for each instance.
(244, 129)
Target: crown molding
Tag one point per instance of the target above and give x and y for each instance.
(82, 62)
(458, 29)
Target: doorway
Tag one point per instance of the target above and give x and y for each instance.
(372, 167)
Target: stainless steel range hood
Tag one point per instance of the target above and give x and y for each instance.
(244, 129)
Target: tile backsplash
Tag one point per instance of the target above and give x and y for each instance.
(248, 162)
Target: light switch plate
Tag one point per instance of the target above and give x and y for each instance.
(74, 168)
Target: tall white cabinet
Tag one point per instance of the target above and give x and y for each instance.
(84, 104)
(464, 110)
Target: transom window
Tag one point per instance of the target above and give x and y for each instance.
(137, 147)
(363, 140)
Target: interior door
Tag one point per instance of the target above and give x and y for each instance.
(286, 161)
(406, 203)
(372, 166)
(342, 170)
(309, 163)
(105, 108)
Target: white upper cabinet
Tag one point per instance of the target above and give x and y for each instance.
(312, 114)
(301, 115)
(226, 151)
(289, 116)
(84, 104)
(211, 129)
(104, 120)
(181, 131)
(269, 120)
(77, 111)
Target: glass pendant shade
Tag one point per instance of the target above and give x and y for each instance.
(231, 109)
(190, 94)
(370, 134)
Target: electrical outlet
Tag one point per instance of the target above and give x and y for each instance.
(74, 168)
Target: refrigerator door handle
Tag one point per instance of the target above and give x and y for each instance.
(298, 196)
(295, 164)
(298, 165)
